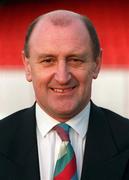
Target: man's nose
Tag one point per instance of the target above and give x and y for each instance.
(62, 74)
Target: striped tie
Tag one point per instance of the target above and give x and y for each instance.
(66, 163)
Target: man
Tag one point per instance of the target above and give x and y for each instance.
(62, 56)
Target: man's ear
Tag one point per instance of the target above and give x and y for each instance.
(27, 67)
(97, 67)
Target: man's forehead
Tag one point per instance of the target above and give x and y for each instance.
(59, 18)
(59, 28)
(55, 20)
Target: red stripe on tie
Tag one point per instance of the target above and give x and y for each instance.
(67, 172)
(61, 132)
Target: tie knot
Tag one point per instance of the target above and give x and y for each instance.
(62, 130)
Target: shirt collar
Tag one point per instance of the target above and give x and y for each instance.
(44, 122)
(79, 122)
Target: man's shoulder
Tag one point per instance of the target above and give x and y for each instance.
(15, 128)
(115, 118)
(16, 118)
(118, 126)
(109, 115)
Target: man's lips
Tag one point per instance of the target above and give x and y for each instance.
(63, 90)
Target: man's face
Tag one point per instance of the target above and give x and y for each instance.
(61, 68)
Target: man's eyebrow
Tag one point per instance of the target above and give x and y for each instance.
(79, 55)
(45, 55)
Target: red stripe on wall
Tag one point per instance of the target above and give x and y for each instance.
(110, 18)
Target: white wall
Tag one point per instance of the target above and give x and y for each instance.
(110, 90)
(15, 92)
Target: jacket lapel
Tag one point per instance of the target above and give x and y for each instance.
(99, 144)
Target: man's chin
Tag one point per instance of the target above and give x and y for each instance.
(63, 115)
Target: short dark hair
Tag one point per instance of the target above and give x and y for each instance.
(95, 43)
(88, 24)
(27, 37)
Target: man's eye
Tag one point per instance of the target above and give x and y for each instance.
(75, 61)
(48, 61)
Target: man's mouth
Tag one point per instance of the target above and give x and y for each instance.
(63, 90)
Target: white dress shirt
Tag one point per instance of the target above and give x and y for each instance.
(49, 142)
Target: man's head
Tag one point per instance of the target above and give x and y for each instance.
(62, 56)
